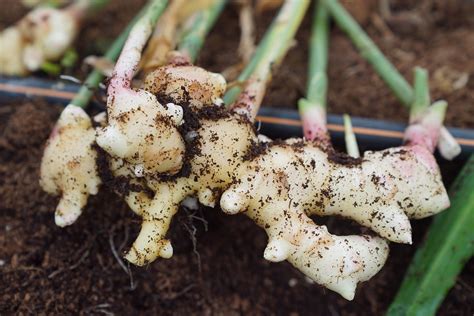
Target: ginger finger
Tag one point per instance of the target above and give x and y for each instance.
(337, 262)
(381, 190)
(140, 130)
(151, 242)
(68, 167)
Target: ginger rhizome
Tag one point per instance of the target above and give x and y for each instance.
(140, 130)
(173, 139)
(43, 35)
(68, 167)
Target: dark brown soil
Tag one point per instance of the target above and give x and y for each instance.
(442, 42)
(45, 269)
(431, 33)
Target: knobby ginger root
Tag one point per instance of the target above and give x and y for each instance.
(224, 141)
(280, 187)
(157, 155)
(380, 191)
(68, 167)
(336, 262)
(221, 143)
(277, 184)
(42, 35)
(143, 132)
(140, 130)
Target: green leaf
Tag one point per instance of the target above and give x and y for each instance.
(448, 246)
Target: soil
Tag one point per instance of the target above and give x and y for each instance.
(442, 41)
(217, 267)
(431, 33)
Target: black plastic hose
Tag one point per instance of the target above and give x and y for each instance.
(273, 122)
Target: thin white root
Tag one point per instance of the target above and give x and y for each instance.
(68, 167)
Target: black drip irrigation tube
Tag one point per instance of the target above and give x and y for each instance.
(273, 122)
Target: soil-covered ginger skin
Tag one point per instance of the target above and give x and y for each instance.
(68, 167)
(223, 141)
(382, 190)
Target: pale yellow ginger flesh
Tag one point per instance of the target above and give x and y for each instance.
(68, 167)
(43, 35)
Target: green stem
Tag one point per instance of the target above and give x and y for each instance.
(448, 246)
(318, 57)
(385, 69)
(86, 91)
(272, 47)
(421, 100)
(90, 6)
(195, 33)
(51, 68)
(447, 146)
(313, 108)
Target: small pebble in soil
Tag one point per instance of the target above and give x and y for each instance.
(292, 282)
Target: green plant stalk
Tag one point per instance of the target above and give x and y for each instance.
(51, 68)
(313, 108)
(371, 52)
(350, 138)
(448, 246)
(421, 100)
(318, 57)
(90, 6)
(85, 93)
(195, 33)
(447, 145)
(272, 48)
